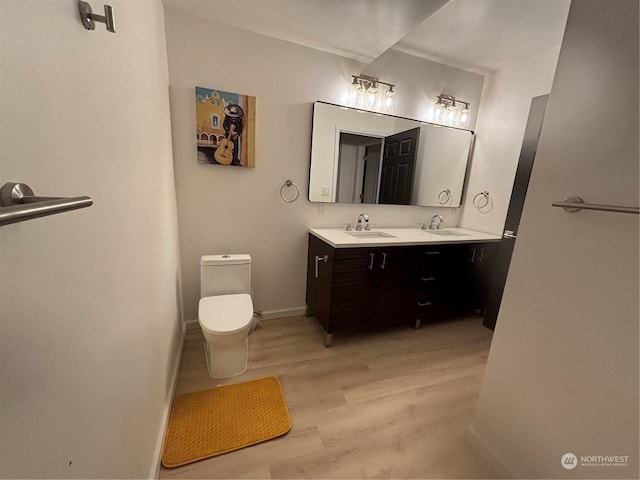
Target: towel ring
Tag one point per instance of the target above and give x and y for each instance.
(289, 183)
(444, 196)
(481, 200)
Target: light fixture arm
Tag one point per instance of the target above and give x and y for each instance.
(448, 100)
(365, 81)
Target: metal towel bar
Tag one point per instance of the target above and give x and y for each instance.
(574, 204)
(20, 204)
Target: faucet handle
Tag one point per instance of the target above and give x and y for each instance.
(347, 226)
(368, 225)
(423, 226)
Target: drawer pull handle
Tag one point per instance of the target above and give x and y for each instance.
(427, 279)
(432, 253)
(371, 255)
(425, 304)
(481, 254)
(324, 259)
(384, 261)
(473, 255)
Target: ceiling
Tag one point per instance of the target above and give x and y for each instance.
(476, 35)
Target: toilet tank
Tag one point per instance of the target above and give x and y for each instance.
(225, 274)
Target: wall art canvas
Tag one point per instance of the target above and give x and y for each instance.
(226, 128)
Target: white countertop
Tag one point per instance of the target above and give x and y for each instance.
(339, 238)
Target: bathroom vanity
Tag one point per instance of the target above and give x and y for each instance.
(366, 279)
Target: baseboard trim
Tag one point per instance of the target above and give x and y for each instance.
(192, 325)
(489, 454)
(283, 313)
(157, 457)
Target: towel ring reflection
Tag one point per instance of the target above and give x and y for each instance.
(444, 196)
(481, 200)
(289, 183)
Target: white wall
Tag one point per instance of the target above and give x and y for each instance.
(506, 99)
(225, 209)
(89, 305)
(562, 374)
(420, 81)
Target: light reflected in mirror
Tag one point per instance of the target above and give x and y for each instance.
(365, 157)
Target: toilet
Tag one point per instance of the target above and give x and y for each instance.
(225, 312)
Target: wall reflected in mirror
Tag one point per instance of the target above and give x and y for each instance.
(372, 158)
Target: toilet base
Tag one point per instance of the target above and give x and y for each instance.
(226, 360)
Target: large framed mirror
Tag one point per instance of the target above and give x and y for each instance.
(365, 157)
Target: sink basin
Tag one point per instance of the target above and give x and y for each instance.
(448, 233)
(370, 234)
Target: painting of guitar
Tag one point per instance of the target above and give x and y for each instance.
(224, 152)
(225, 128)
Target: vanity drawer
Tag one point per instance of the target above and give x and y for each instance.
(428, 307)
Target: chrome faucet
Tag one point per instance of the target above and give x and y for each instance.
(361, 217)
(433, 225)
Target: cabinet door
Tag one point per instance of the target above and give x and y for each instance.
(481, 263)
(392, 300)
(351, 288)
(319, 273)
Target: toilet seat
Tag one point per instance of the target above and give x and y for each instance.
(225, 314)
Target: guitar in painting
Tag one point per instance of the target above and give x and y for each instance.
(224, 152)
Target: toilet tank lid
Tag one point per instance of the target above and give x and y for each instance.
(227, 259)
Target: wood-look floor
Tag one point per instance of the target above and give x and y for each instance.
(387, 404)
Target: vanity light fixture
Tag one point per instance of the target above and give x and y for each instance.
(451, 111)
(366, 92)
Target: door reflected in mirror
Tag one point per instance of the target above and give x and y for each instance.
(365, 157)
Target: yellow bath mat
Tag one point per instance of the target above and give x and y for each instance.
(219, 420)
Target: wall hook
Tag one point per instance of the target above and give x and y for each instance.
(89, 18)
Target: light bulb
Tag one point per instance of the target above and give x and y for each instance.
(438, 114)
(450, 114)
(464, 117)
(371, 100)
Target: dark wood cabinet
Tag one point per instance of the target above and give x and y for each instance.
(357, 288)
(368, 287)
(481, 259)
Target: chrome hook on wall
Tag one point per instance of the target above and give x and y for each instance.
(89, 18)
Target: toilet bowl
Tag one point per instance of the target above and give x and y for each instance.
(225, 321)
(225, 312)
